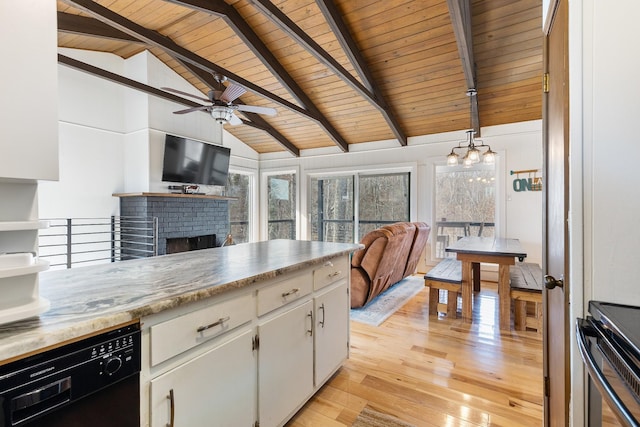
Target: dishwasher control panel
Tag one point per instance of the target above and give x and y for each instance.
(45, 382)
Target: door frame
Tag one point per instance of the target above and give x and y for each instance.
(579, 242)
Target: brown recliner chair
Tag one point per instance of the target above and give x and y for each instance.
(403, 251)
(419, 243)
(372, 266)
(390, 254)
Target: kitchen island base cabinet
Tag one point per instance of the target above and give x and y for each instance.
(331, 332)
(215, 389)
(252, 357)
(285, 364)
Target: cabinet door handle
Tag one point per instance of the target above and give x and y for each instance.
(172, 407)
(220, 321)
(328, 264)
(334, 274)
(291, 292)
(310, 331)
(321, 323)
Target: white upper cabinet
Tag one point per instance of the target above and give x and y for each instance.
(29, 88)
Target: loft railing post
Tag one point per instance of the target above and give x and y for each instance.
(69, 242)
(113, 238)
(155, 236)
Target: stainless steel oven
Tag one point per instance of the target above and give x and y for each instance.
(94, 382)
(609, 343)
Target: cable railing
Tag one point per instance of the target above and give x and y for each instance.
(71, 242)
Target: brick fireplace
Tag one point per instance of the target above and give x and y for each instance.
(192, 217)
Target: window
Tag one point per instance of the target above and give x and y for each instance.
(331, 210)
(465, 203)
(281, 216)
(381, 199)
(239, 185)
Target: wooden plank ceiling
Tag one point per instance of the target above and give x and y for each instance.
(338, 72)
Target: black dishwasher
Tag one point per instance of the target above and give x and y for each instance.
(93, 382)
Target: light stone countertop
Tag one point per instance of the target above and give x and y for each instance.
(88, 299)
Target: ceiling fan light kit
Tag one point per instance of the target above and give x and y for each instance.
(221, 106)
(221, 114)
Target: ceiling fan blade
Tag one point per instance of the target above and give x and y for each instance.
(259, 110)
(168, 89)
(234, 120)
(232, 92)
(190, 110)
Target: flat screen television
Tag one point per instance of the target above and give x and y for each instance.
(193, 162)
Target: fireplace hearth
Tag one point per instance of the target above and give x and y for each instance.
(185, 244)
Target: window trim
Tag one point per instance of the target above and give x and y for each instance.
(408, 167)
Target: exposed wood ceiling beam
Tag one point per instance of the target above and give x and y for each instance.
(251, 39)
(76, 24)
(256, 120)
(294, 31)
(156, 39)
(116, 78)
(460, 12)
(337, 24)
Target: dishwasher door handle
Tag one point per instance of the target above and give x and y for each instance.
(41, 394)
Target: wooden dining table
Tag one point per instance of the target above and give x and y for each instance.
(472, 251)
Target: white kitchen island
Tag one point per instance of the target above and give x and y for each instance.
(230, 336)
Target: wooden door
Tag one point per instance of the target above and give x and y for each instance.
(555, 227)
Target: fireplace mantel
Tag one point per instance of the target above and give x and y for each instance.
(194, 196)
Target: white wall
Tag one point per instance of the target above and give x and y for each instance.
(91, 125)
(611, 110)
(519, 146)
(604, 185)
(111, 137)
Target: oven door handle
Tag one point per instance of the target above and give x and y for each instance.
(606, 391)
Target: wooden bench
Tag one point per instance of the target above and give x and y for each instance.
(526, 287)
(446, 275)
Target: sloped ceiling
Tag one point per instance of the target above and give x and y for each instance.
(338, 72)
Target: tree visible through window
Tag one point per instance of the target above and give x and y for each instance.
(239, 186)
(382, 199)
(331, 210)
(282, 206)
(465, 203)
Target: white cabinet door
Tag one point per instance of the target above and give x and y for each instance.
(285, 364)
(215, 389)
(331, 331)
(29, 90)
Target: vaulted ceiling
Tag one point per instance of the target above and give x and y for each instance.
(338, 72)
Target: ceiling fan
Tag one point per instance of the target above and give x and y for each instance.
(221, 106)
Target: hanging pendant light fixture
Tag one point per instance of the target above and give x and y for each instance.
(473, 146)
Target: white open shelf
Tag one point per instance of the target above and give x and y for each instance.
(36, 267)
(23, 225)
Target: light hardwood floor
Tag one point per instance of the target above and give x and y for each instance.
(432, 371)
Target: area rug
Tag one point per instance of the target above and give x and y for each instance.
(388, 302)
(371, 418)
